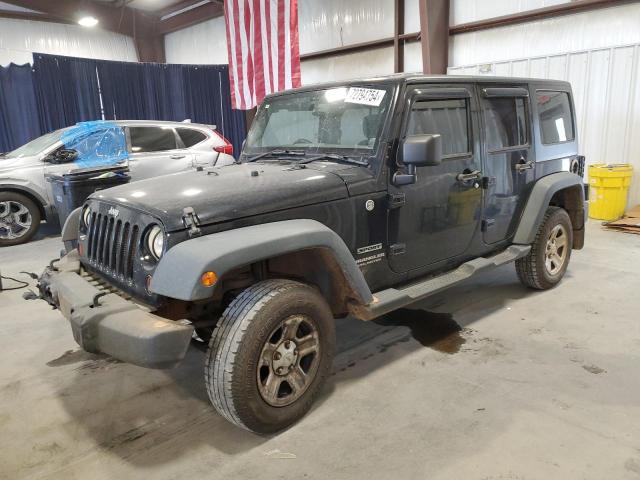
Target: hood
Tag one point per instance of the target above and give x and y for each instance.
(8, 164)
(228, 193)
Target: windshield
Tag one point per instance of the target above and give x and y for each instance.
(345, 120)
(36, 146)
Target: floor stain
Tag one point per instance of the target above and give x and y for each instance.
(125, 438)
(438, 331)
(70, 357)
(632, 465)
(593, 369)
(89, 361)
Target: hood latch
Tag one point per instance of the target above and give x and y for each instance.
(191, 221)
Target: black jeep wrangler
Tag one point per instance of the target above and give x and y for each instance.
(350, 198)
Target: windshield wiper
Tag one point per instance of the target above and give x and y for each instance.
(276, 152)
(336, 157)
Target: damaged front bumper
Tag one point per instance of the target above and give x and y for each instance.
(104, 322)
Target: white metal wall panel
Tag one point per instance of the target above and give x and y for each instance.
(597, 51)
(606, 88)
(463, 11)
(412, 57)
(411, 16)
(570, 33)
(348, 66)
(335, 23)
(203, 43)
(19, 38)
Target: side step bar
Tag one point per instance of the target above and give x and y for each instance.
(391, 299)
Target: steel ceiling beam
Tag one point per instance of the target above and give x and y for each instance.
(199, 14)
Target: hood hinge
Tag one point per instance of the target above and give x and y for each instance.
(191, 221)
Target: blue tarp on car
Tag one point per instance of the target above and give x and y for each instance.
(98, 143)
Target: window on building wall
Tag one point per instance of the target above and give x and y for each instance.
(556, 121)
(505, 121)
(448, 118)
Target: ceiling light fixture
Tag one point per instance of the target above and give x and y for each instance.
(88, 21)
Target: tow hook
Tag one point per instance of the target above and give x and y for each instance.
(44, 292)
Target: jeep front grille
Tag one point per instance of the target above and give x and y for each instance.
(112, 245)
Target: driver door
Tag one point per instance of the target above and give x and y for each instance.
(435, 218)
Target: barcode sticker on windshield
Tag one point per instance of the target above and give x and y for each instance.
(365, 96)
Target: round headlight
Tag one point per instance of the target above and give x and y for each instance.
(86, 216)
(155, 241)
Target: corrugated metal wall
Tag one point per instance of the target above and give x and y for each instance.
(19, 38)
(323, 25)
(605, 80)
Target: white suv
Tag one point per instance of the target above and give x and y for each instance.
(154, 149)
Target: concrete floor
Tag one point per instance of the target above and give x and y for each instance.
(535, 386)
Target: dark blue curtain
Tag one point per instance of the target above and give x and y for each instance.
(61, 91)
(18, 111)
(66, 90)
(205, 104)
(152, 91)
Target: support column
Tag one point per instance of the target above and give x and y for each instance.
(434, 35)
(398, 43)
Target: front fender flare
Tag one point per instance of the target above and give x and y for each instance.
(539, 200)
(179, 271)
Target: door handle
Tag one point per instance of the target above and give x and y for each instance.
(521, 167)
(177, 157)
(467, 176)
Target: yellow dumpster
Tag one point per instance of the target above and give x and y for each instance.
(608, 187)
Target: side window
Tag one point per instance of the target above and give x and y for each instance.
(556, 122)
(445, 117)
(505, 120)
(152, 139)
(190, 137)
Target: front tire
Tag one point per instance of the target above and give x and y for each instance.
(270, 355)
(547, 262)
(19, 219)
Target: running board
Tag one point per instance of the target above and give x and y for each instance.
(391, 299)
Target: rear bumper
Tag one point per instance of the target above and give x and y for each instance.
(111, 324)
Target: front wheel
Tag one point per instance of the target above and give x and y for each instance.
(547, 262)
(269, 355)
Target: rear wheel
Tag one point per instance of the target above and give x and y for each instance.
(19, 219)
(547, 262)
(269, 355)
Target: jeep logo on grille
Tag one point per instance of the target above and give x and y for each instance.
(113, 211)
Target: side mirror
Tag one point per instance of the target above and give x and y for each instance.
(63, 155)
(419, 151)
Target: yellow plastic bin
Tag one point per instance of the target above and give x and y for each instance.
(608, 187)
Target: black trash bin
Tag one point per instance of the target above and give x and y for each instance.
(70, 190)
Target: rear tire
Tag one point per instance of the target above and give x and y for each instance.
(547, 262)
(270, 355)
(19, 219)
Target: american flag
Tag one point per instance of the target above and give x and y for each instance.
(263, 47)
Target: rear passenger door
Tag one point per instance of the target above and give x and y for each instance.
(509, 168)
(156, 151)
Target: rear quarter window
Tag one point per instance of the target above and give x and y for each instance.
(554, 114)
(191, 137)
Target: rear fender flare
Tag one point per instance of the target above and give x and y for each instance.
(539, 199)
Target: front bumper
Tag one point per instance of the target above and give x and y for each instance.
(104, 322)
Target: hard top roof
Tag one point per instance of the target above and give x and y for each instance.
(410, 78)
